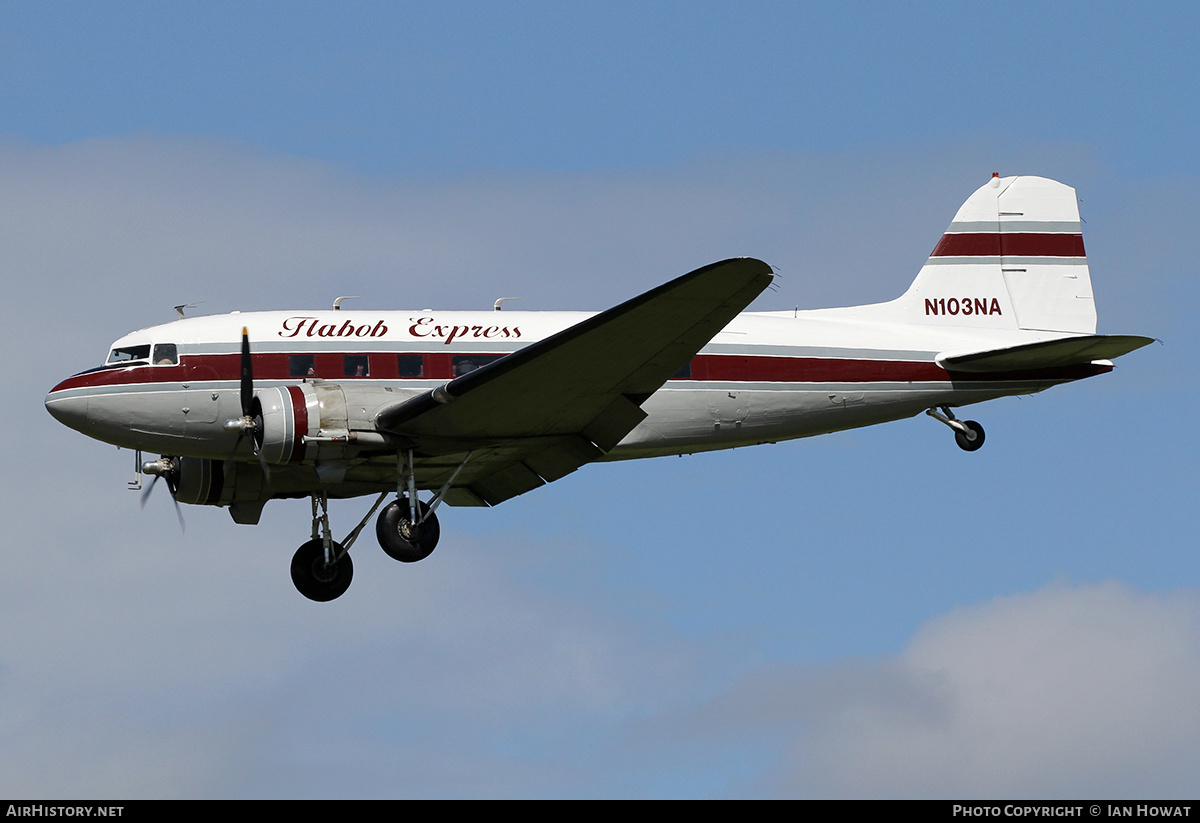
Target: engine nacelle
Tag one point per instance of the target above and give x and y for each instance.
(203, 482)
(308, 424)
(319, 420)
(286, 422)
(243, 487)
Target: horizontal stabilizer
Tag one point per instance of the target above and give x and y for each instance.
(1069, 351)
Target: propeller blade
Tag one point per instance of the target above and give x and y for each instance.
(249, 412)
(247, 375)
(179, 515)
(262, 464)
(171, 487)
(149, 488)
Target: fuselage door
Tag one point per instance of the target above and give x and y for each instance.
(201, 396)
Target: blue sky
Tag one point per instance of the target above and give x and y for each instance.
(872, 613)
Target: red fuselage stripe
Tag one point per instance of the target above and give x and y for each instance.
(1016, 244)
(715, 367)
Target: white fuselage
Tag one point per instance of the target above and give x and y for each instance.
(765, 377)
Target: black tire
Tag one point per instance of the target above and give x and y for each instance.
(314, 579)
(964, 442)
(399, 540)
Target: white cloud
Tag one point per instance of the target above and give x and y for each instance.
(1070, 691)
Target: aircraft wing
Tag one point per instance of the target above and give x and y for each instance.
(547, 409)
(1069, 351)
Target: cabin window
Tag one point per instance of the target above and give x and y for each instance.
(467, 363)
(301, 365)
(129, 353)
(410, 365)
(165, 354)
(356, 365)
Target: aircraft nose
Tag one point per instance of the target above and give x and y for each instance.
(68, 408)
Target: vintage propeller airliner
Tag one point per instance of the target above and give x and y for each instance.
(478, 407)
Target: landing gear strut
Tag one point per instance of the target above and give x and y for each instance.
(967, 433)
(407, 530)
(321, 568)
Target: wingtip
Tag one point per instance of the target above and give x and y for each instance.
(751, 267)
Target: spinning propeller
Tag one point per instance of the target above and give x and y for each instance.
(168, 467)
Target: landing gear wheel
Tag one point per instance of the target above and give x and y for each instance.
(967, 443)
(314, 579)
(403, 540)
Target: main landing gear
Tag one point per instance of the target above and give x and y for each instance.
(407, 530)
(407, 533)
(322, 569)
(967, 433)
(315, 577)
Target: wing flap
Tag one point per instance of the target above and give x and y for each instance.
(493, 475)
(510, 481)
(611, 425)
(563, 458)
(461, 496)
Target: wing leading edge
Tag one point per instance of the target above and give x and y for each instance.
(545, 410)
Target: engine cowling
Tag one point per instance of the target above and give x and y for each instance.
(203, 482)
(313, 423)
(242, 487)
(319, 420)
(287, 416)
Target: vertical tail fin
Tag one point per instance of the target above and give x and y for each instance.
(1012, 259)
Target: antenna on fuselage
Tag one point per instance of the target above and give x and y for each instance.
(337, 304)
(500, 300)
(179, 309)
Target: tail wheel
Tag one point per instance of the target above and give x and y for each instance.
(317, 580)
(402, 539)
(972, 439)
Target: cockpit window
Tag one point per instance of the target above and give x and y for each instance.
(165, 354)
(129, 354)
